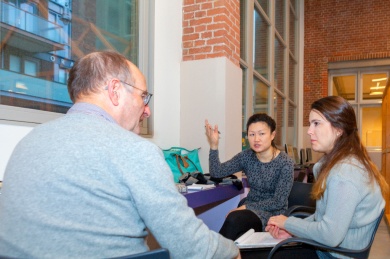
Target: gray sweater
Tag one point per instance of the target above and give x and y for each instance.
(270, 183)
(346, 214)
(83, 187)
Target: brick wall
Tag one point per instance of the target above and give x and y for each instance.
(211, 28)
(341, 30)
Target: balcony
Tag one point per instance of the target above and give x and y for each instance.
(29, 32)
(35, 89)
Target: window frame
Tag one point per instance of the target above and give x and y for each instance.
(291, 8)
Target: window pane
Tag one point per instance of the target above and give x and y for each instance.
(41, 44)
(30, 68)
(373, 86)
(279, 65)
(244, 140)
(261, 96)
(244, 91)
(264, 5)
(292, 32)
(344, 86)
(280, 17)
(292, 89)
(278, 112)
(294, 4)
(14, 63)
(292, 125)
(372, 126)
(260, 45)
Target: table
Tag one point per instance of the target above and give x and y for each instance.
(212, 205)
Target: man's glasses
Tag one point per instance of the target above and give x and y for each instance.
(145, 94)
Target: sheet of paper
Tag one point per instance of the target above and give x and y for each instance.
(197, 187)
(253, 239)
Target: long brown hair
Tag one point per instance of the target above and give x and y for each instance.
(341, 116)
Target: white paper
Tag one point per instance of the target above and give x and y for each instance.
(198, 187)
(253, 239)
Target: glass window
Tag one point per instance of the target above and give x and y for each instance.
(280, 17)
(257, 61)
(14, 63)
(371, 129)
(260, 45)
(244, 74)
(344, 86)
(363, 88)
(59, 32)
(279, 65)
(30, 68)
(261, 96)
(292, 123)
(373, 86)
(292, 80)
(264, 5)
(292, 34)
(278, 117)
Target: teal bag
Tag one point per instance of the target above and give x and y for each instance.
(182, 161)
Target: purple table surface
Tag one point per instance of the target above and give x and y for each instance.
(204, 197)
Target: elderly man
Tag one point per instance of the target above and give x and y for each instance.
(87, 186)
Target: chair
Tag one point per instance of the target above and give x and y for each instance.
(160, 253)
(299, 200)
(360, 254)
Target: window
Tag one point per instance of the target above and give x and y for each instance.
(42, 39)
(363, 88)
(269, 37)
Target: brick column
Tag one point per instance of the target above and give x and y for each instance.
(211, 28)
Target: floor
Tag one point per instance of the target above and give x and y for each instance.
(381, 247)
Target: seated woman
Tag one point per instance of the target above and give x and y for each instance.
(269, 173)
(349, 189)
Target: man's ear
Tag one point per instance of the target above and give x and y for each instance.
(113, 92)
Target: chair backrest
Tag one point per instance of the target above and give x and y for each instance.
(160, 253)
(300, 195)
(366, 251)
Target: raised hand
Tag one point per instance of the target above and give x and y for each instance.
(212, 134)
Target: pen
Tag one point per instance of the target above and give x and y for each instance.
(218, 130)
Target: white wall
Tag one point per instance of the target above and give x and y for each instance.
(211, 89)
(9, 137)
(166, 77)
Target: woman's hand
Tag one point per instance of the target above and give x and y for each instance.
(277, 221)
(277, 232)
(275, 227)
(212, 135)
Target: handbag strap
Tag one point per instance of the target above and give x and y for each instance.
(186, 157)
(185, 163)
(178, 163)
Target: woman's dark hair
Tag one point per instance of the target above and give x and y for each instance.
(341, 115)
(262, 117)
(92, 71)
